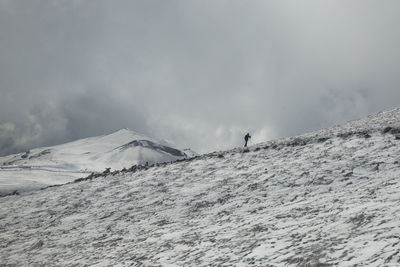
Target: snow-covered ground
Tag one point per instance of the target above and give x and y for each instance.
(64, 163)
(331, 197)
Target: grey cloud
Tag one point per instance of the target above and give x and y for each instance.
(198, 73)
(94, 113)
(41, 123)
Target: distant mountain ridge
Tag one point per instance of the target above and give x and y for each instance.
(63, 163)
(154, 146)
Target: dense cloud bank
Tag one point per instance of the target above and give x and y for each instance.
(199, 74)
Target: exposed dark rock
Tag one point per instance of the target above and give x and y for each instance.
(107, 171)
(37, 245)
(154, 146)
(42, 153)
(297, 142)
(201, 205)
(348, 174)
(391, 130)
(345, 135)
(322, 139)
(252, 187)
(24, 156)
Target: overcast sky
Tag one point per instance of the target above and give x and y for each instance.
(199, 74)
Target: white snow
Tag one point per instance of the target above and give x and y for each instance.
(64, 163)
(325, 198)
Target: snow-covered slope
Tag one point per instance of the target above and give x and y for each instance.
(328, 198)
(64, 163)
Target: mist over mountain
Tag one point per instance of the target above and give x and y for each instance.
(72, 69)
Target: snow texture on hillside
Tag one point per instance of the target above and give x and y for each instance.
(64, 163)
(328, 198)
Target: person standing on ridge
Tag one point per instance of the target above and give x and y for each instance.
(246, 138)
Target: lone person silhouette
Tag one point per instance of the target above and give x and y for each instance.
(246, 138)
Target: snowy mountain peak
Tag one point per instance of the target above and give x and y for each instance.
(66, 162)
(121, 136)
(125, 132)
